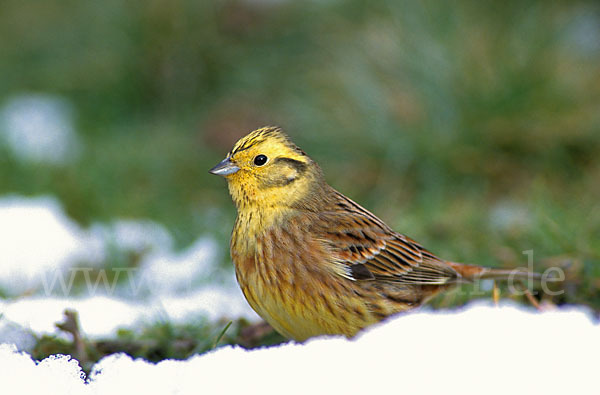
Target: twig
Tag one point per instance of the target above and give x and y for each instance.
(532, 299)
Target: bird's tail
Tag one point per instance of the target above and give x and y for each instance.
(474, 272)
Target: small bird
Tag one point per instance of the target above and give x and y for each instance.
(309, 260)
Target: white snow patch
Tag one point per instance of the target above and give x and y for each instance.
(480, 349)
(102, 316)
(211, 301)
(581, 33)
(99, 316)
(38, 239)
(42, 250)
(14, 333)
(39, 128)
(19, 374)
(139, 236)
(508, 216)
(169, 273)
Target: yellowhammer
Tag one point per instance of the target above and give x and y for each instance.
(309, 260)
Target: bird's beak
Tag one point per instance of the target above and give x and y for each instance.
(224, 168)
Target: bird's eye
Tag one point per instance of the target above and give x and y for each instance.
(260, 160)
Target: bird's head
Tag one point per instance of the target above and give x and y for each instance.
(266, 168)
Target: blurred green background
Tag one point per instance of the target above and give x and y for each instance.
(471, 126)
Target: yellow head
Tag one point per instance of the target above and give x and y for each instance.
(266, 169)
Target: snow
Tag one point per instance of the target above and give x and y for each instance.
(102, 316)
(19, 374)
(37, 238)
(508, 216)
(42, 251)
(39, 128)
(479, 349)
(174, 273)
(139, 236)
(99, 316)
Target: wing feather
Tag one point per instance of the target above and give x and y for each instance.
(360, 238)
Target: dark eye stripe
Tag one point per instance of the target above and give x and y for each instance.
(296, 164)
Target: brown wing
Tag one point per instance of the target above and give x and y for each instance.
(367, 249)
